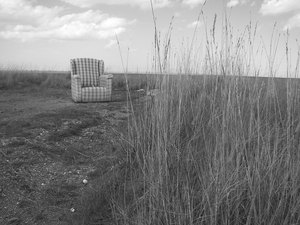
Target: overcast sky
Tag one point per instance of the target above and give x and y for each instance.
(46, 34)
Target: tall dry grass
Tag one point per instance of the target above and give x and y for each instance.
(214, 149)
(19, 78)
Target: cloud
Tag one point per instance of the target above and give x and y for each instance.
(25, 21)
(21, 10)
(112, 22)
(111, 43)
(272, 7)
(194, 24)
(143, 4)
(234, 3)
(193, 3)
(140, 3)
(293, 22)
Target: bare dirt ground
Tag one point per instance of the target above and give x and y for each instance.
(48, 146)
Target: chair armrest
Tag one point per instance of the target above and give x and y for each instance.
(76, 76)
(106, 81)
(76, 87)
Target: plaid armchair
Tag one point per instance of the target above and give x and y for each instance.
(88, 82)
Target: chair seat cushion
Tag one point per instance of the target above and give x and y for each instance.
(95, 94)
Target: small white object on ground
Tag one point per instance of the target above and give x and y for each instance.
(85, 181)
(153, 92)
(72, 210)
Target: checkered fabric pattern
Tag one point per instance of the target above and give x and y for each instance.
(93, 94)
(89, 84)
(76, 88)
(89, 70)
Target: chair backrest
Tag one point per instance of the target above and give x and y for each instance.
(88, 69)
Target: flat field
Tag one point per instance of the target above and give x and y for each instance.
(49, 145)
(206, 150)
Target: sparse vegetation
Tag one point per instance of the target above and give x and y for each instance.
(11, 79)
(215, 149)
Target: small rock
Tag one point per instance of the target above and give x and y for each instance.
(13, 220)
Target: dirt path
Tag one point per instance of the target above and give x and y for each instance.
(48, 146)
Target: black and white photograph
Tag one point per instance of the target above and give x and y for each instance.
(149, 112)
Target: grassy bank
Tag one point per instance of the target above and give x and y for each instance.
(214, 149)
